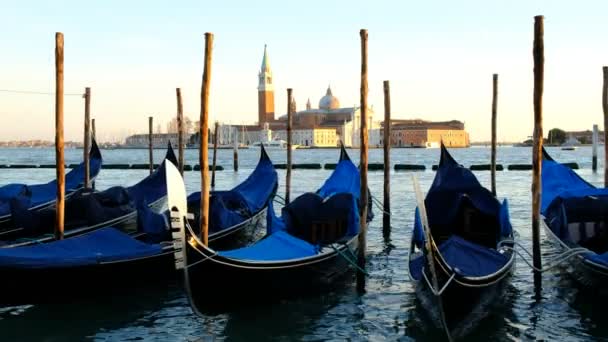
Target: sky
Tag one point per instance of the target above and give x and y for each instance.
(439, 57)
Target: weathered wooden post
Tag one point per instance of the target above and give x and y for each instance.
(180, 131)
(235, 153)
(537, 155)
(288, 170)
(150, 146)
(605, 108)
(215, 136)
(204, 143)
(493, 157)
(363, 165)
(386, 218)
(87, 137)
(59, 157)
(93, 131)
(595, 141)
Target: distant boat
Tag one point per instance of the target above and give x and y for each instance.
(274, 145)
(570, 144)
(271, 143)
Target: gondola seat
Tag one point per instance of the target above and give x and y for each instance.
(319, 221)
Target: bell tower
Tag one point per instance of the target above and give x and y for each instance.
(265, 92)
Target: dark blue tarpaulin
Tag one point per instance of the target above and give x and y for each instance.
(229, 208)
(103, 245)
(454, 189)
(465, 258)
(559, 181)
(455, 186)
(88, 208)
(44, 193)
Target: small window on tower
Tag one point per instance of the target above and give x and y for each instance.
(268, 79)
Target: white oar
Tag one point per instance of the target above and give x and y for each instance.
(429, 252)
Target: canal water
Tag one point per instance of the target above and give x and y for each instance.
(387, 311)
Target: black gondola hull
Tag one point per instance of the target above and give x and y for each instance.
(31, 286)
(464, 305)
(588, 274)
(216, 283)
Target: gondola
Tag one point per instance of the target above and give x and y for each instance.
(235, 215)
(40, 196)
(106, 260)
(109, 259)
(462, 269)
(87, 210)
(307, 249)
(575, 219)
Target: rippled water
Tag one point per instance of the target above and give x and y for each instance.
(387, 311)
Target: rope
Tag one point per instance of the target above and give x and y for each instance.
(445, 286)
(34, 92)
(279, 199)
(198, 262)
(556, 261)
(379, 205)
(35, 240)
(350, 261)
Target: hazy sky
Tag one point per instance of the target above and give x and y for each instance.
(438, 55)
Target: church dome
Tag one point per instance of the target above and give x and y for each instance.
(329, 101)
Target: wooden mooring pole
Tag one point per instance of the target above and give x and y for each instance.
(386, 218)
(595, 141)
(215, 136)
(493, 157)
(605, 108)
(204, 143)
(235, 152)
(180, 131)
(93, 131)
(288, 169)
(363, 165)
(59, 157)
(87, 137)
(537, 155)
(150, 147)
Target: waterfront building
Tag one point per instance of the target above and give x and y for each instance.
(159, 140)
(420, 133)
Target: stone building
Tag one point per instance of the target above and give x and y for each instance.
(420, 133)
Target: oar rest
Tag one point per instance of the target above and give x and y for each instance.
(318, 221)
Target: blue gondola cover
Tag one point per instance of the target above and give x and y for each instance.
(466, 258)
(103, 245)
(232, 207)
(277, 246)
(44, 193)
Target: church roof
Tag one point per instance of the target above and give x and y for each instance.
(265, 61)
(329, 101)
